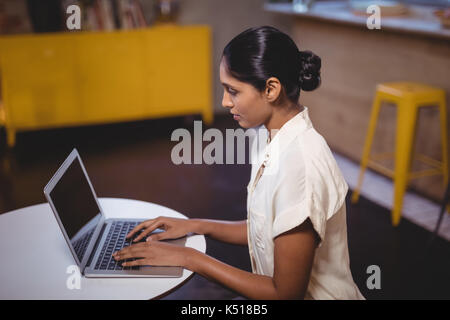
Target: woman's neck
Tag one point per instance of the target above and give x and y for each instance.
(280, 116)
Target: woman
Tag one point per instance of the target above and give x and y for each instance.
(296, 227)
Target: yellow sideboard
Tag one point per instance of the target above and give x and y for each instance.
(79, 78)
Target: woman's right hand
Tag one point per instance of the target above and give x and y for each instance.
(173, 228)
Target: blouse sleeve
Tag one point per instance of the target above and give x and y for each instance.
(312, 188)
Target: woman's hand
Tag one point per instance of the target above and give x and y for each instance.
(153, 253)
(173, 228)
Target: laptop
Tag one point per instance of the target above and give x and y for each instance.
(90, 235)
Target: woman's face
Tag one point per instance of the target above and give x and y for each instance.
(246, 103)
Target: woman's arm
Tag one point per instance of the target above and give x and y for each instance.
(234, 232)
(293, 260)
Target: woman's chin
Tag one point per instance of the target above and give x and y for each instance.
(243, 124)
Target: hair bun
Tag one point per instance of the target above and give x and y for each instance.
(309, 76)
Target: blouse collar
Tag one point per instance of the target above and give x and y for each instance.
(291, 129)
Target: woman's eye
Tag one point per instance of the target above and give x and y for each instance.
(232, 92)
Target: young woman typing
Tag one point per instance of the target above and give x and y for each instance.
(296, 216)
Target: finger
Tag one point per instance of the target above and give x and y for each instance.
(139, 227)
(159, 236)
(131, 248)
(138, 262)
(149, 229)
(130, 255)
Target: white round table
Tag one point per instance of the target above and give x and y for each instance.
(35, 257)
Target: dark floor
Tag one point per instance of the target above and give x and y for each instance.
(132, 160)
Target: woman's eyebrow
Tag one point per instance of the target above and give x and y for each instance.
(227, 85)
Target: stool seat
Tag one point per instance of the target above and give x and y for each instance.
(418, 91)
(408, 97)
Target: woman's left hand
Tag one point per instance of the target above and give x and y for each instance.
(153, 253)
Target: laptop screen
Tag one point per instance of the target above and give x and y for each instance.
(76, 206)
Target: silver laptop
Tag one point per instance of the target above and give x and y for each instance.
(91, 237)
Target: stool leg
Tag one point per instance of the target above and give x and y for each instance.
(367, 146)
(444, 141)
(404, 143)
(441, 213)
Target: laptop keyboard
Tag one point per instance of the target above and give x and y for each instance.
(80, 245)
(115, 241)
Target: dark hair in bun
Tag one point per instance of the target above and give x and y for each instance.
(309, 77)
(259, 53)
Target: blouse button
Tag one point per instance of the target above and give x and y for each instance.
(266, 160)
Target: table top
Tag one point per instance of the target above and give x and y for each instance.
(36, 260)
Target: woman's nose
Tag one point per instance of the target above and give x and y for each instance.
(226, 101)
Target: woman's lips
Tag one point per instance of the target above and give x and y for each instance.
(236, 117)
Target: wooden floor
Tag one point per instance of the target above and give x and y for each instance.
(133, 160)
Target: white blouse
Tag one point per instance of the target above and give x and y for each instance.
(300, 180)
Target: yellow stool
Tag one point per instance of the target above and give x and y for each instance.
(408, 97)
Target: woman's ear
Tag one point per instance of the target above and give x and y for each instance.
(273, 89)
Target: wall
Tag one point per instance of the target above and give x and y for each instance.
(354, 60)
(227, 19)
(14, 17)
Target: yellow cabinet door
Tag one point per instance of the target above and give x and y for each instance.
(178, 76)
(110, 76)
(67, 79)
(39, 89)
